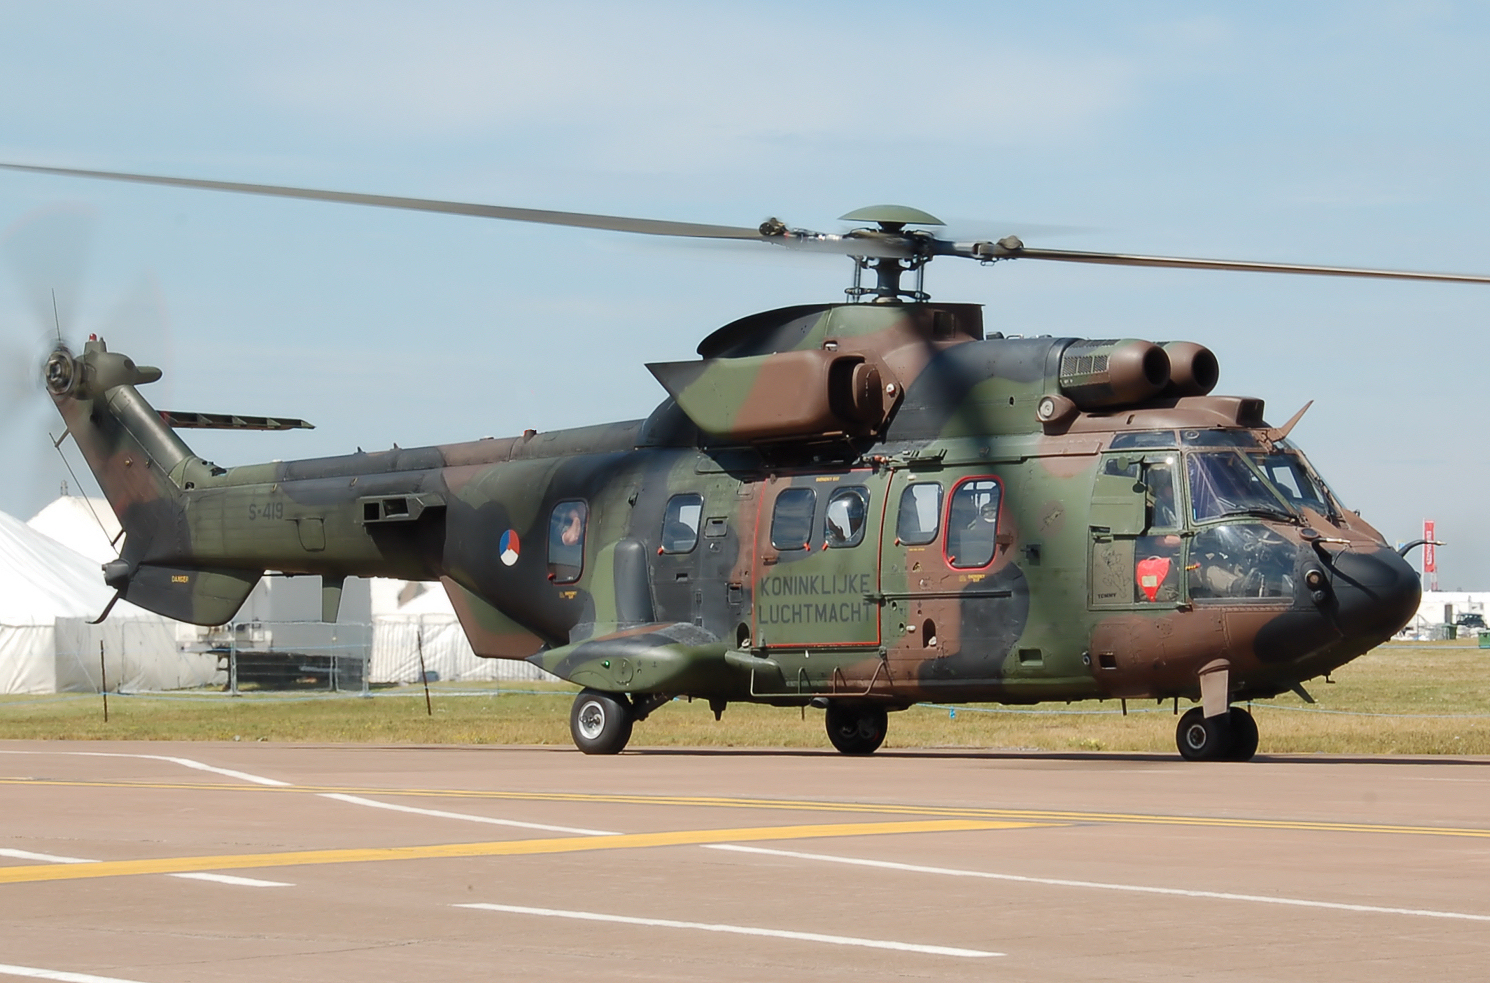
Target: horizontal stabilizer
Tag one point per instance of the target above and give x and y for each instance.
(199, 597)
(180, 420)
(653, 658)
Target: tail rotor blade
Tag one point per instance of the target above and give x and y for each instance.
(47, 251)
(140, 325)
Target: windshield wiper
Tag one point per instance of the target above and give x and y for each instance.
(1263, 512)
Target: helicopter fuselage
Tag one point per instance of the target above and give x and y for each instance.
(860, 506)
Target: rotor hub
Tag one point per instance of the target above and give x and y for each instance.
(888, 270)
(60, 372)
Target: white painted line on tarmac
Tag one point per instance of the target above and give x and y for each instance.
(1103, 886)
(439, 814)
(57, 974)
(242, 776)
(590, 916)
(50, 858)
(219, 878)
(353, 799)
(230, 879)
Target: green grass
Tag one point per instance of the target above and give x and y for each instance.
(1410, 698)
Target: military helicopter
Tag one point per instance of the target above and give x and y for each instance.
(856, 506)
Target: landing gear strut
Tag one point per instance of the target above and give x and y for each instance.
(856, 728)
(1231, 736)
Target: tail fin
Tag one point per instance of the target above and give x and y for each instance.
(143, 469)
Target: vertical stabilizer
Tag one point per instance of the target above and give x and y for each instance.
(144, 469)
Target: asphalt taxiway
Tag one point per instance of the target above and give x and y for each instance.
(159, 863)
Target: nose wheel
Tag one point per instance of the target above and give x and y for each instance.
(1231, 736)
(600, 723)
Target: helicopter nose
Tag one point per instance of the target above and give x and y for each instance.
(1377, 592)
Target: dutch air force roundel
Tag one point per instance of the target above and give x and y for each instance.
(509, 547)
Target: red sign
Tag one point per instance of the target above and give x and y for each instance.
(1151, 574)
(1430, 558)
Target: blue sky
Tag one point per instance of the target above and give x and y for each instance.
(1351, 133)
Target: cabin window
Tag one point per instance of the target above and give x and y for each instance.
(566, 541)
(920, 517)
(680, 523)
(973, 522)
(845, 517)
(791, 519)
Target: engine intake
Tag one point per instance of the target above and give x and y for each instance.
(1097, 374)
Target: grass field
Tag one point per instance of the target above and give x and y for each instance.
(1408, 698)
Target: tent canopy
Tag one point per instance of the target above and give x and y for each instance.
(41, 580)
(84, 525)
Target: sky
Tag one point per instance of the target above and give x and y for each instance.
(1351, 133)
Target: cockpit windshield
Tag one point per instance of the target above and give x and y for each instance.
(1288, 474)
(1225, 483)
(1327, 493)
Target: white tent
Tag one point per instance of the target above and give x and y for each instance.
(48, 594)
(425, 623)
(51, 572)
(84, 525)
(1437, 606)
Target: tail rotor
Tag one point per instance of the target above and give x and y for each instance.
(47, 253)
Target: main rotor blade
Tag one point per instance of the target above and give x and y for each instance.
(860, 243)
(1245, 266)
(581, 220)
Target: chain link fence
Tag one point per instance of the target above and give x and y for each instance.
(153, 655)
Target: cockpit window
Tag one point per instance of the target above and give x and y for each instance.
(1161, 506)
(1222, 484)
(1143, 440)
(1288, 475)
(1233, 561)
(1330, 495)
(1218, 438)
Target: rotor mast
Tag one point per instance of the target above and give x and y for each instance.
(888, 270)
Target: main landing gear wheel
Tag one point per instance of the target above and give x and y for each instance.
(1243, 735)
(1232, 737)
(1202, 738)
(856, 728)
(600, 722)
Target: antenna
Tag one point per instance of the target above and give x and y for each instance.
(56, 318)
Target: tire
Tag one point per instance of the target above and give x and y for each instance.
(1243, 735)
(1202, 738)
(856, 728)
(600, 722)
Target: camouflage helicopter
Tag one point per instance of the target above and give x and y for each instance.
(856, 506)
